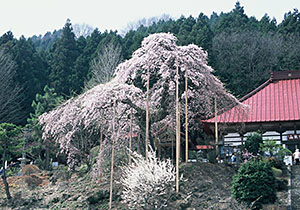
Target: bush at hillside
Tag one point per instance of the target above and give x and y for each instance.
(254, 184)
(253, 142)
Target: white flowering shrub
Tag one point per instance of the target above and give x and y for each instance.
(147, 184)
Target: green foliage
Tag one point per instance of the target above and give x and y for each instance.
(274, 162)
(281, 184)
(42, 103)
(274, 149)
(253, 142)
(44, 43)
(83, 169)
(63, 57)
(254, 184)
(31, 72)
(10, 141)
(98, 197)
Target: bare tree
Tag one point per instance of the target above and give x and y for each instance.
(10, 94)
(82, 29)
(104, 65)
(244, 59)
(134, 25)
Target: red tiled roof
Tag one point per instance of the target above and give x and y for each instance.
(278, 99)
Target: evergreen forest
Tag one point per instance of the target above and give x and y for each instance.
(242, 50)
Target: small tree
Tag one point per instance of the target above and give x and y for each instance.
(253, 142)
(274, 149)
(147, 183)
(42, 103)
(8, 146)
(254, 184)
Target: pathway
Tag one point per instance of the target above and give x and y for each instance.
(296, 187)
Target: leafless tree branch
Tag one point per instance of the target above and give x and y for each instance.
(10, 94)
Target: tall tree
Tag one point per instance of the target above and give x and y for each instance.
(9, 145)
(104, 65)
(31, 71)
(83, 30)
(63, 57)
(10, 93)
(42, 103)
(267, 25)
(290, 23)
(79, 71)
(202, 33)
(236, 20)
(45, 42)
(289, 52)
(244, 60)
(158, 54)
(83, 61)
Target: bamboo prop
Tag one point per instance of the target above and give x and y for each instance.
(177, 129)
(101, 135)
(112, 157)
(216, 127)
(147, 115)
(100, 147)
(130, 137)
(186, 118)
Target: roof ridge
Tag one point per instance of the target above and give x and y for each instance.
(266, 83)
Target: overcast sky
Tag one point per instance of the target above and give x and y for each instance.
(34, 17)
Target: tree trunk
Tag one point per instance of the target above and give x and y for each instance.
(4, 175)
(47, 156)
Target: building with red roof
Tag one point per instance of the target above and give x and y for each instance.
(273, 109)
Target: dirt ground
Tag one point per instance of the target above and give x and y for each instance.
(204, 186)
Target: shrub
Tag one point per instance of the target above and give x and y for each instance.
(30, 169)
(253, 142)
(254, 184)
(33, 181)
(147, 184)
(281, 184)
(274, 162)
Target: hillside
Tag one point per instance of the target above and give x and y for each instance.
(204, 186)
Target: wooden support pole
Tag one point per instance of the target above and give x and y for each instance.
(112, 155)
(186, 118)
(100, 147)
(216, 127)
(177, 129)
(130, 137)
(147, 114)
